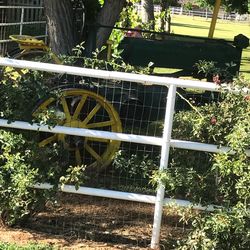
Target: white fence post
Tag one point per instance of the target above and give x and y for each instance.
(21, 22)
(163, 165)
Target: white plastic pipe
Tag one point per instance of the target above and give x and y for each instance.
(101, 193)
(20, 7)
(142, 139)
(198, 146)
(168, 122)
(83, 132)
(24, 23)
(110, 75)
(21, 22)
(123, 196)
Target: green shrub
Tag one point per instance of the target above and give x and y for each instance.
(221, 179)
(22, 162)
(16, 177)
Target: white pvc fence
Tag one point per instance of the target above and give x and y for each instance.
(205, 13)
(165, 142)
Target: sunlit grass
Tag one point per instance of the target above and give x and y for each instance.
(196, 26)
(32, 246)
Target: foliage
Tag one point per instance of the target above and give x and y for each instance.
(22, 165)
(134, 165)
(216, 123)
(129, 17)
(240, 6)
(221, 179)
(16, 177)
(190, 181)
(188, 5)
(32, 246)
(212, 72)
(115, 63)
(222, 229)
(22, 162)
(75, 175)
(19, 95)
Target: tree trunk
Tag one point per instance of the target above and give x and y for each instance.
(148, 12)
(108, 15)
(166, 18)
(62, 35)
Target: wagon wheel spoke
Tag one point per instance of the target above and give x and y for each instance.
(93, 152)
(91, 115)
(48, 140)
(65, 109)
(79, 107)
(100, 124)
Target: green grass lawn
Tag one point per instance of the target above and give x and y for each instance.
(32, 246)
(196, 26)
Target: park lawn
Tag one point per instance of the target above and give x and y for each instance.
(197, 26)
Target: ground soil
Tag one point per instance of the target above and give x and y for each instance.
(85, 222)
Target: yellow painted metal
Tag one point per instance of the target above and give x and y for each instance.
(84, 117)
(214, 18)
(30, 45)
(109, 46)
(28, 42)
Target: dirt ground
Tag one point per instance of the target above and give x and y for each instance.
(85, 222)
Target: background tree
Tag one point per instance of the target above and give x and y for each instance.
(240, 6)
(148, 13)
(165, 18)
(61, 28)
(108, 15)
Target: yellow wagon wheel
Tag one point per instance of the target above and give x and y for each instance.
(81, 108)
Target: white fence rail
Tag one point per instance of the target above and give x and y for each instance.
(206, 13)
(165, 142)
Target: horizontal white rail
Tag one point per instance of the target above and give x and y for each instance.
(21, 7)
(198, 146)
(24, 23)
(111, 75)
(142, 139)
(150, 140)
(123, 196)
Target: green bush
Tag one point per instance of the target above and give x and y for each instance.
(221, 179)
(22, 162)
(16, 177)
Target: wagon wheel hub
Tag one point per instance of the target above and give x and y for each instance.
(71, 142)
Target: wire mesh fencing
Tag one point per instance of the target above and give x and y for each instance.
(122, 107)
